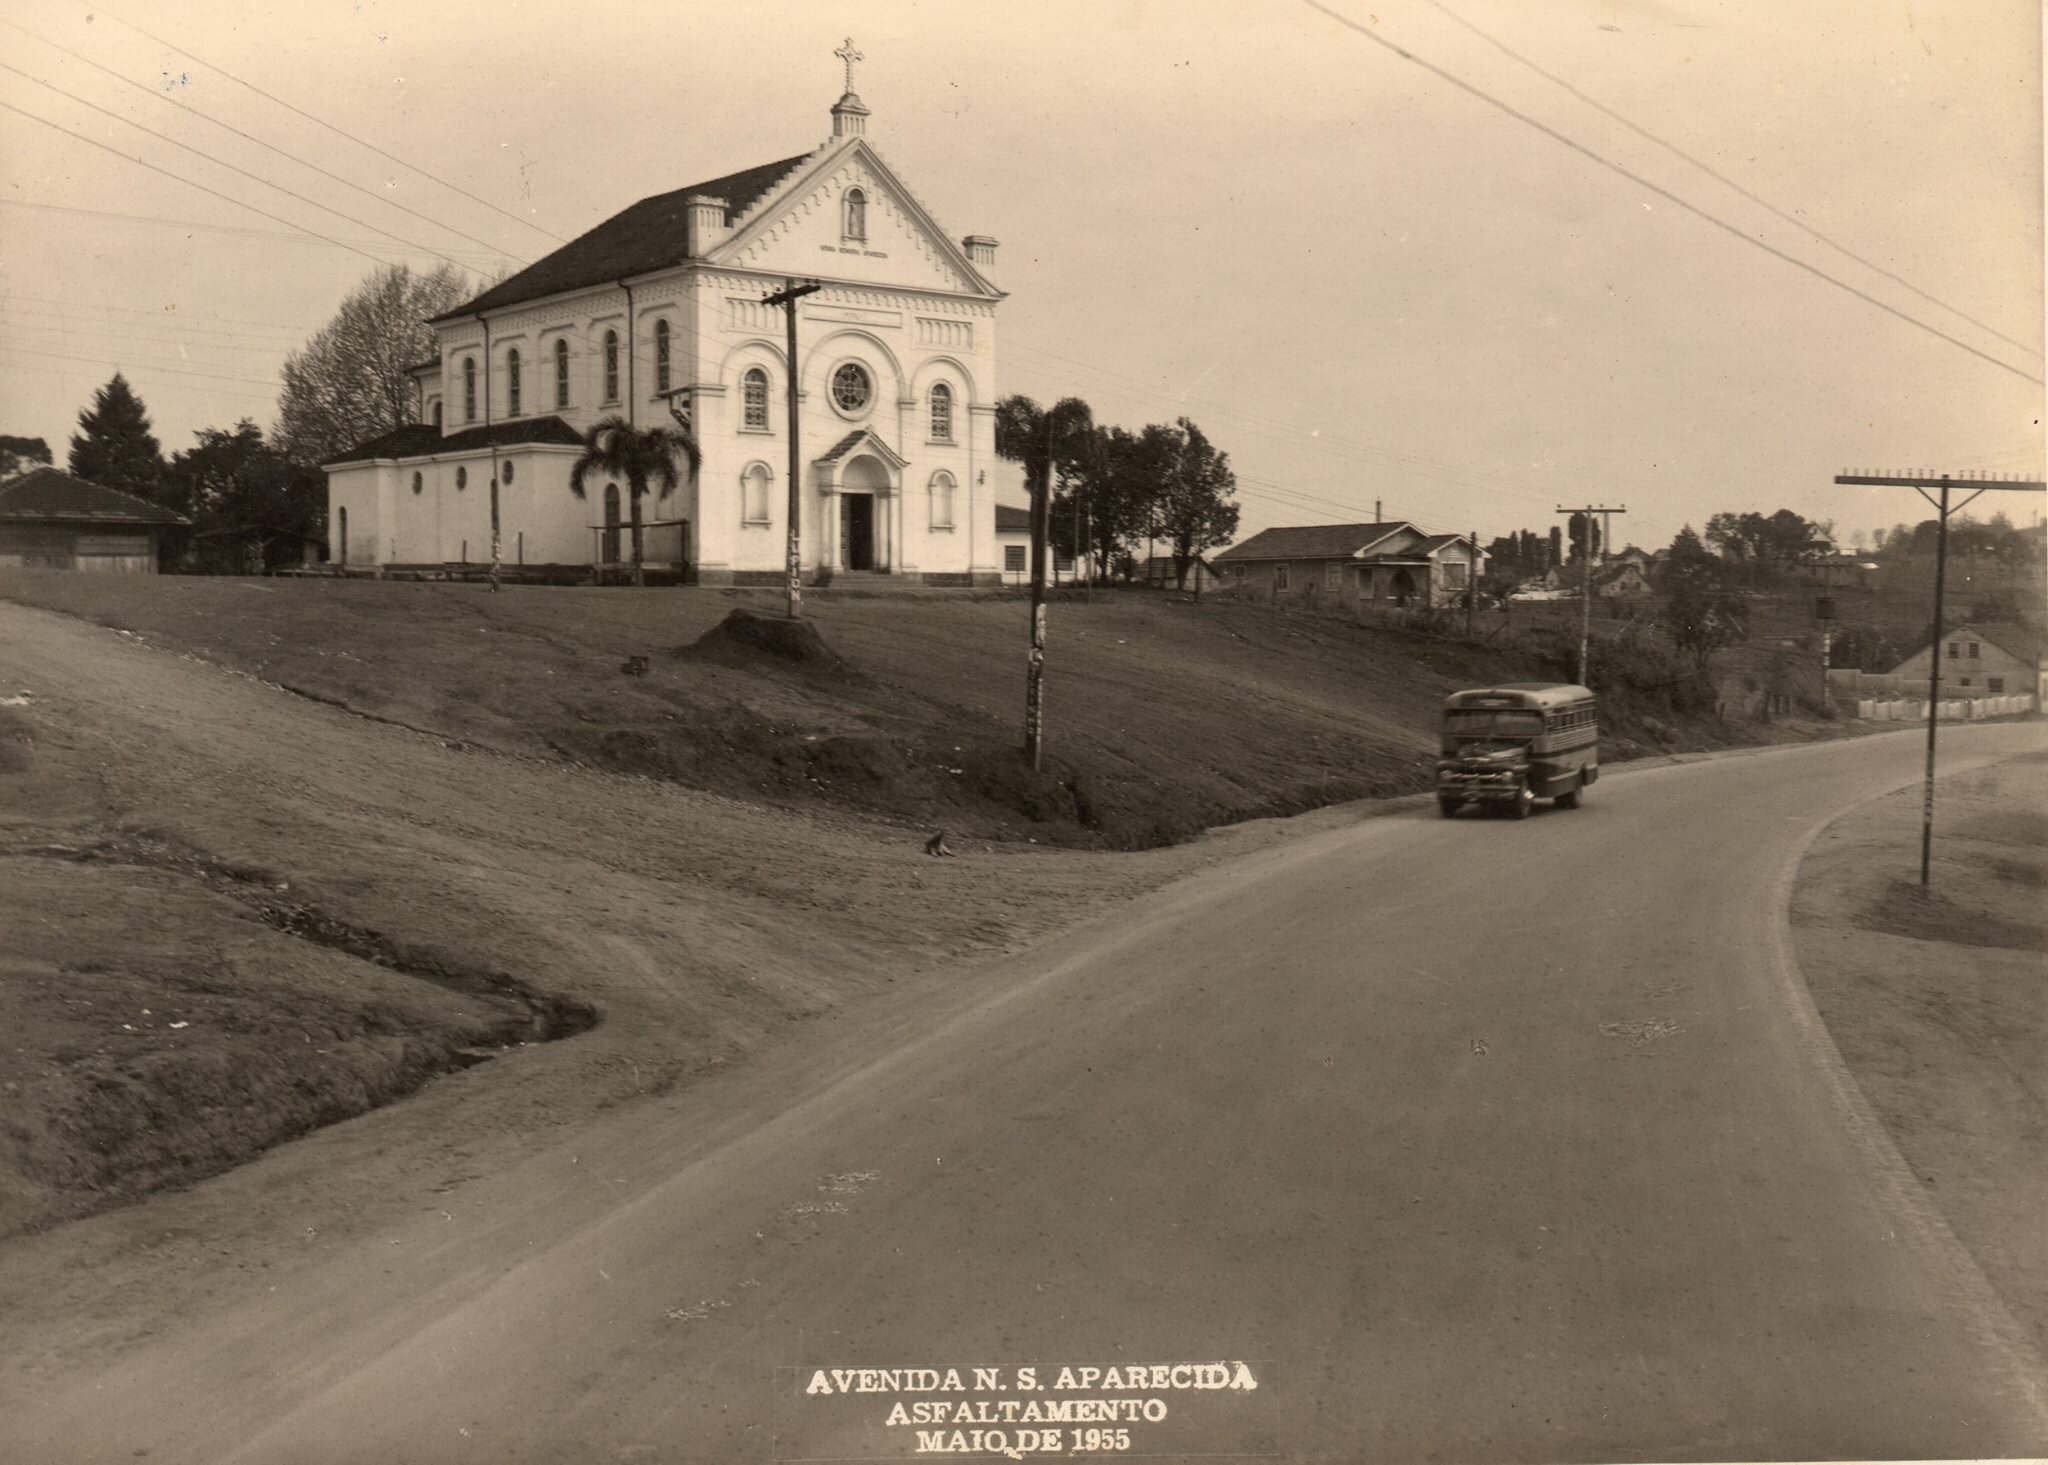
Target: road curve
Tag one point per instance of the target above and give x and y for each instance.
(1474, 1139)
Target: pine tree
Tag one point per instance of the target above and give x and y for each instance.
(114, 446)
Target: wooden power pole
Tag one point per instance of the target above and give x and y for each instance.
(1922, 482)
(1588, 530)
(787, 297)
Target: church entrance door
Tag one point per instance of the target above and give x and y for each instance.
(857, 531)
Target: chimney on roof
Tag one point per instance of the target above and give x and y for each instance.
(981, 253)
(706, 223)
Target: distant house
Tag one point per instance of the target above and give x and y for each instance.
(49, 518)
(1625, 580)
(1158, 569)
(1989, 660)
(1013, 551)
(1393, 564)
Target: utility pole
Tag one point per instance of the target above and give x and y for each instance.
(787, 297)
(1034, 671)
(1921, 482)
(1472, 585)
(1588, 529)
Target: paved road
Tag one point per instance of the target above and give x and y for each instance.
(1473, 1139)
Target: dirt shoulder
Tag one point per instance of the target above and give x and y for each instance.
(1939, 1001)
(336, 908)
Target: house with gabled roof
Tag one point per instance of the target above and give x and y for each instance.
(51, 519)
(1984, 659)
(656, 314)
(1390, 564)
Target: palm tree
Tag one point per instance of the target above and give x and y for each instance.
(614, 448)
(1038, 438)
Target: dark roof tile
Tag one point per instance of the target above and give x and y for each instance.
(1311, 541)
(421, 439)
(652, 234)
(52, 494)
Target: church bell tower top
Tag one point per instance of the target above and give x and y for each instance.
(849, 114)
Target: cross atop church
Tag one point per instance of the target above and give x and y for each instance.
(849, 55)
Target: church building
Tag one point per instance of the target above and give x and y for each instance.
(657, 315)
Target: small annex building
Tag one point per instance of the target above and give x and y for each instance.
(1389, 564)
(657, 315)
(51, 519)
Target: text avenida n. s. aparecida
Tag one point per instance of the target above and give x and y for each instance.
(1115, 1394)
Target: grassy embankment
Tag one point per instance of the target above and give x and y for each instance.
(1165, 717)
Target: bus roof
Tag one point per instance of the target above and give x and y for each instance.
(1521, 694)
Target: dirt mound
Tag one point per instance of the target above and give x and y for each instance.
(747, 638)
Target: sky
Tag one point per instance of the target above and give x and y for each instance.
(1679, 255)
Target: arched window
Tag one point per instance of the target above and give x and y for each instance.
(419, 481)
(462, 478)
(942, 500)
(512, 382)
(561, 372)
(754, 400)
(856, 214)
(661, 356)
(942, 413)
(611, 366)
(754, 486)
(611, 524)
(469, 389)
(505, 475)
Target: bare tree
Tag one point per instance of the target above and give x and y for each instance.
(349, 383)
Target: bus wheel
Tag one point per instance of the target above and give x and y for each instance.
(1570, 798)
(1449, 806)
(1524, 802)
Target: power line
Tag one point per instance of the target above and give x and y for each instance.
(192, 224)
(194, 183)
(103, 363)
(1665, 193)
(168, 101)
(135, 310)
(1725, 180)
(236, 168)
(331, 127)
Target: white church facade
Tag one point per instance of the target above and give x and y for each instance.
(659, 311)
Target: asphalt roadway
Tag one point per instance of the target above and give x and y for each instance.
(1473, 1139)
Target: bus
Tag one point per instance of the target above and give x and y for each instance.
(1506, 747)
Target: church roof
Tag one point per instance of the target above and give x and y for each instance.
(651, 235)
(1312, 541)
(52, 494)
(1012, 520)
(423, 439)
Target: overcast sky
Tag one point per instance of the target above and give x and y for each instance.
(1363, 281)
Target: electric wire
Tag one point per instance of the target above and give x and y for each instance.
(1726, 181)
(1664, 193)
(331, 127)
(244, 172)
(494, 252)
(194, 183)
